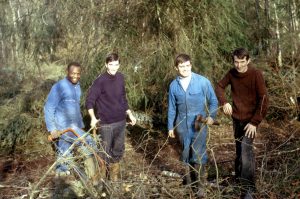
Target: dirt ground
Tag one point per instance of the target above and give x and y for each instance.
(151, 169)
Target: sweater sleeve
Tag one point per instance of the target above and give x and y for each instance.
(125, 101)
(220, 89)
(263, 100)
(92, 95)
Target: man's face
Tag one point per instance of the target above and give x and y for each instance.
(112, 67)
(184, 69)
(73, 74)
(241, 65)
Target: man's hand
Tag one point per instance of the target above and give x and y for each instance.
(171, 133)
(132, 119)
(227, 109)
(55, 134)
(94, 122)
(250, 130)
(209, 121)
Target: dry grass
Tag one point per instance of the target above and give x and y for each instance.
(149, 153)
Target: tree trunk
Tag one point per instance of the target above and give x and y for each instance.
(260, 35)
(14, 37)
(267, 27)
(294, 24)
(2, 57)
(279, 50)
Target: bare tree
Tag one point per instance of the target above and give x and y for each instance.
(277, 30)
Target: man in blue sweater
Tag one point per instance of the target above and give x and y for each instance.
(190, 95)
(108, 107)
(62, 111)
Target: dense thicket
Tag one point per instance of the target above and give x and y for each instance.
(35, 35)
(39, 37)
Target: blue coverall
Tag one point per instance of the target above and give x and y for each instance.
(62, 111)
(184, 106)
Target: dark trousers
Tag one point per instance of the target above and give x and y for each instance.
(112, 138)
(245, 160)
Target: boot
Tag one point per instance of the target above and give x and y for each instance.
(114, 171)
(100, 177)
(90, 168)
(187, 175)
(201, 177)
(102, 170)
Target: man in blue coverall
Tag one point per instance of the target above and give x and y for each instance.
(62, 111)
(191, 94)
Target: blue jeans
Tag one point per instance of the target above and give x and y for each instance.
(64, 143)
(245, 160)
(112, 138)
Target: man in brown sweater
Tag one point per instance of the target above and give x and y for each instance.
(249, 107)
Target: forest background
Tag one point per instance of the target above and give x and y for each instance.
(39, 38)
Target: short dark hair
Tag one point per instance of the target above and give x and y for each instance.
(76, 64)
(240, 53)
(112, 57)
(182, 58)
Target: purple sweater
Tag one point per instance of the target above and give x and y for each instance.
(107, 97)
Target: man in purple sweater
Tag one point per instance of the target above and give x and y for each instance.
(250, 102)
(107, 106)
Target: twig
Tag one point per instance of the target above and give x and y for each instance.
(266, 155)
(166, 191)
(217, 171)
(280, 153)
(11, 186)
(162, 147)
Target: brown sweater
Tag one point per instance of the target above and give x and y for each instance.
(248, 92)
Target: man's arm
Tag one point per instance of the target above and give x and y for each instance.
(263, 100)
(94, 120)
(50, 108)
(90, 103)
(212, 101)
(220, 92)
(261, 108)
(171, 113)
